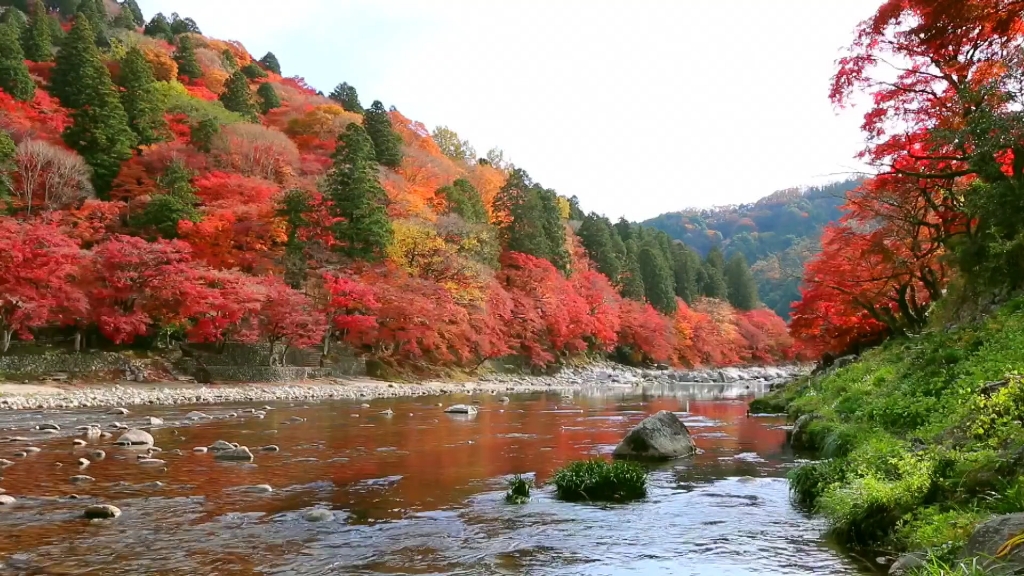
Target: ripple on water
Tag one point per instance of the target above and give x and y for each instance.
(417, 494)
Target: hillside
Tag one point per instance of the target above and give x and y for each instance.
(778, 234)
(161, 186)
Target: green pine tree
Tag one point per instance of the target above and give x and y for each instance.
(140, 98)
(99, 130)
(294, 208)
(357, 198)
(716, 259)
(159, 27)
(237, 96)
(7, 166)
(554, 229)
(35, 38)
(348, 97)
(596, 233)
(185, 56)
(463, 199)
(686, 266)
(631, 281)
(132, 7)
(268, 97)
(740, 282)
(253, 71)
(625, 230)
(14, 76)
(56, 31)
(15, 18)
(386, 143)
(531, 223)
(270, 62)
(203, 133)
(176, 202)
(712, 282)
(658, 280)
(96, 13)
(125, 20)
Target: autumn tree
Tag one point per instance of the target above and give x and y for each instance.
(387, 144)
(740, 283)
(461, 198)
(452, 146)
(269, 61)
(176, 202)
(346, 95)
(185, 56)
(268, 97)
(238, 98)
(14, 77)
(140, 98)
(35, 39)
(357, 199)
(49, 177)
(100, 131)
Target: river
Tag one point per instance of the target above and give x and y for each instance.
(416, 492)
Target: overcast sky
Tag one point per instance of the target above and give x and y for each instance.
(637, 107)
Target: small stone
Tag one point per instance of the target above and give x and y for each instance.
(196, 416)
(102, 512)
(364, 405)
(97, 454)
(505, 400)
(48, 426)
(200, 449)
(318, 515)
(241, 454)
(106, 435)
(270, 448)
(33, 450)
(20, 454)
(388, 412)
(154, 421)
(296, 419)
(259, 489)
(82, 462)
(232, 415)
(177, 452)
(82, 479)
(6, 500)
(74, 497)
(120, 411)
(151, 462)
(5, 463)
(136, 437)
(221, 445)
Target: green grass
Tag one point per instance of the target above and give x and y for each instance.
(600, 480)
(518, 490)
(914, 455)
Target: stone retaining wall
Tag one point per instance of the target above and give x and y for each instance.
(60, 362)
(268, 373)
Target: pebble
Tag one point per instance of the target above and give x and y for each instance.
(151, 462)
(318, 515)
(20, 454)
(259, 489)
(200, 449)
(48, 426)
(6, 500)
(364, 405)
(98, 454)
(154, 421)
(121, 411)
(388, 412)
(101, 512)
(33, 450)
(82, 462)
(270, 448)
(82, 479)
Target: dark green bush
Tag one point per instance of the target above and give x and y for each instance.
(600, 480)
(518, 490)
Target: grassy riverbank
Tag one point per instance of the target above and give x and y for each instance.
(919, 440)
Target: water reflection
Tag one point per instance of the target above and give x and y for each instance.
(419, 492)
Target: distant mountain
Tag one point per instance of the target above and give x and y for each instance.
(778, 233)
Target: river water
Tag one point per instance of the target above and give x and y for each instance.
(418, 492)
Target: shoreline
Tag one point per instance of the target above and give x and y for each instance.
(69, 396)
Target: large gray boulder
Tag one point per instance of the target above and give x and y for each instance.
(136, 437)
(799, 438)
(659, 437)
(989, 537)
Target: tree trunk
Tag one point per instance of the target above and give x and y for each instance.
(5, 340)
(78, 341)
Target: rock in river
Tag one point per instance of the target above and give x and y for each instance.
(154, 421)
(318, 515)
(82, 479)
(48, 426)
(659, 437)
(240, 454)
(461, 409)
(136, 437)
(270, 448)
(220, 446)
(118, 411)
(987, 539)
(6, 500)
(101, 511)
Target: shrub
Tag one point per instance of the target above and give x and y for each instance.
(600, 480)
(518, 490)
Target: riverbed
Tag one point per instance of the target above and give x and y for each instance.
(358, 490)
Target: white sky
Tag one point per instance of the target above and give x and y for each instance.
(638, 107)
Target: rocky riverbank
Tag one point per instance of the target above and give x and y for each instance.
(70, 396)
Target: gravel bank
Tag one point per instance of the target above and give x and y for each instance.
(28, 397)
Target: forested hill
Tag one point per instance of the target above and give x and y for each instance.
(159, 186)
(778, 233)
